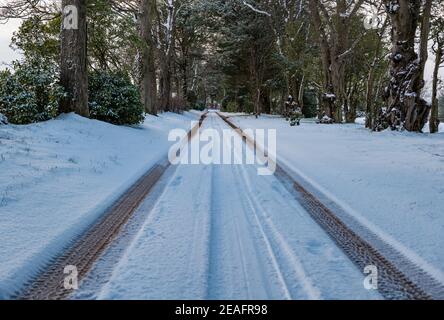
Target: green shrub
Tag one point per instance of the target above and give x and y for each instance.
(114, 99)
(232, 106)
(30, 94)
(200, 105)
(192, 99)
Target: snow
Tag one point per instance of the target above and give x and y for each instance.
(223, 232)
(392, 182)
(410, 94)
(216, 231)
(398, 57)
(392, 7)
(426, 128)
(360, 120)
(57, 177)
(3, 119)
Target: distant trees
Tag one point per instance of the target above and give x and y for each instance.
(333, 22)
(316, 47)
(247, 58)
(249, 55)
(193, 34)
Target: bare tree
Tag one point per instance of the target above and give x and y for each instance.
(22, 9)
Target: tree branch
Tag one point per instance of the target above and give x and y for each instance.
(255, 9)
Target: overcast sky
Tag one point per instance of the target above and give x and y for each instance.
(7, 55)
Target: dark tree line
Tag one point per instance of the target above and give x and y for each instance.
(336, 58)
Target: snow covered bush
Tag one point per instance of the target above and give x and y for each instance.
(31, 93)
(326, 120)
(114, 99)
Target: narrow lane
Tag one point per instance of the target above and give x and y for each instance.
(223, 232)
(307, 264)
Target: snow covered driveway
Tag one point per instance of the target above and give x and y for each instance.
(223, 232)
(220, 231)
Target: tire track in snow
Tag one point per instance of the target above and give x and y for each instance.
(177, 239)
(83, 253)
(281, 245)
(312, 292)
(251, 208)
(231, 274)
(393, 280)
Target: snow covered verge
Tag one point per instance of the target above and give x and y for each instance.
(392, 182)
(57, 177)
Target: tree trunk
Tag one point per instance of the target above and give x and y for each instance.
(424, 40)
(166, 53)
(338, 76)
(165, 92)
(301, 93)
(405, 108)
(434, 121)
(147, 68)
(327, 100)
(257, 102)
(369, 96)
(350, 104)
(73, 64)
(265, 103)
(340, 45)
(185, 84)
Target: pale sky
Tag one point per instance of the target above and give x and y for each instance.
(7, 55)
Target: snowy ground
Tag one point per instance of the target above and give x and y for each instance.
(57, 177)
(392, 182)
(216, 231)
(223, 232)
